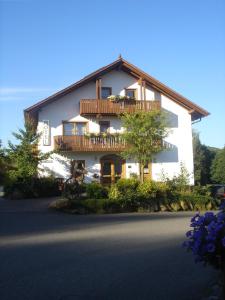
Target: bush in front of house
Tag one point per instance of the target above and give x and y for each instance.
(30, 187)
(124, 192)
(73, 190)
(128, 195)
(95, 190)
(194, 201)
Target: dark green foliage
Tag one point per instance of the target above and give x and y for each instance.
(21, 177)
(96, 190)
(25, 156)
(125, 193)
(4, 165)
(28, 187)
(203, 158)
(218, 167)
(73, 190)
(198, 202)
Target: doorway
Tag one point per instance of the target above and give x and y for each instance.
(112, 168)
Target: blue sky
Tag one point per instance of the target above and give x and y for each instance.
(47, 45)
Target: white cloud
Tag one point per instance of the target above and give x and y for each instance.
(21, 93)
(10, 98)
(19, 90)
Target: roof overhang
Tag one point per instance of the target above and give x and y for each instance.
(196, 111)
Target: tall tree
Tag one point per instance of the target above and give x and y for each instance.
(4, 163)
(203, 157)
(218, 167)
(143, 132)
(25, 156)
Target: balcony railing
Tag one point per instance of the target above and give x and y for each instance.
(107, 107)
(90, 144)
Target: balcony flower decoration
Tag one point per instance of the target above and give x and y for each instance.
(112, 98)
(117, 98)
(87, 134)
(104, 134)
(206, 239)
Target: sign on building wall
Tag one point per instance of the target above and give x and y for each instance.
(46, 133)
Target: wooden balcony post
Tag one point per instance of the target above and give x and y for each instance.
(141, 86)
(144, 87)
(100, 88)
(97, 88)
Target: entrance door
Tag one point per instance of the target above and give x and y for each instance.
(147, 171)
(112, 169)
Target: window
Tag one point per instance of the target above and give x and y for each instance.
(104, 126)
(130, 93)
(80, 164)
(74, 128)
(80, 128)
(106, 92)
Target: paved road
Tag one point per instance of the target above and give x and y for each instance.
(47, 255)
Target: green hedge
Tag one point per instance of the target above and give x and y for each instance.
(95, 190)
(128, 195)
(28, 187)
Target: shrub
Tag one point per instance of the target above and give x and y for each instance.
(202, 190)
(29, 187)
(191, 201)
(125, 193)
(95, 190)
(73, 190)
(46, 187)
(179, 182)
(146, 193)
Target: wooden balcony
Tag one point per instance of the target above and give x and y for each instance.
(89, 144)
(107, 107)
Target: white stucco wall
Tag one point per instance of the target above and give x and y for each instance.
(67, 109)
(179, 142)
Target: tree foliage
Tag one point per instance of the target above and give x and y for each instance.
(218, 167)
(203, 157)
(3, 164)
(24, 156)
(143, 132)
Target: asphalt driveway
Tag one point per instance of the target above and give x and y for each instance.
(47, 255)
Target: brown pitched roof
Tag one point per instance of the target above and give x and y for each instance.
(195, 110)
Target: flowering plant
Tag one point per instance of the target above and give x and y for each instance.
(118, 98)
(207, 238)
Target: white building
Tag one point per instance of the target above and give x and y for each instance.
(83, 124)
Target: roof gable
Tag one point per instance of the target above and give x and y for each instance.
(121, 64)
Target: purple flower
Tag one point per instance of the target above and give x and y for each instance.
(189, 233)
(223, 242)
(206, 236)
(194, 219)
(222, 206)
(221, 217)
(209, 216)
(210, 248)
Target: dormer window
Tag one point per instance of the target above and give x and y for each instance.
(106, 92)
(131, 93)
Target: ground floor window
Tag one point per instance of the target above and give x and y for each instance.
(77, 169)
